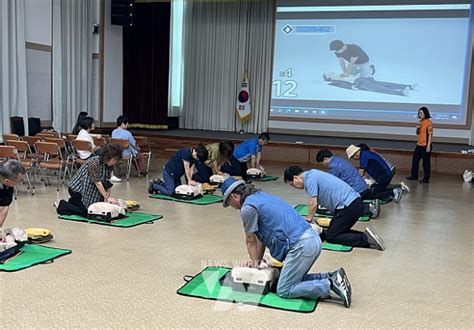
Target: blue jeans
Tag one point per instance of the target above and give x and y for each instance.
(295, 282)
(170, 182)
(363, 69)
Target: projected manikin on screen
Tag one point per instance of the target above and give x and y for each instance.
(379, 69)
(357, 73)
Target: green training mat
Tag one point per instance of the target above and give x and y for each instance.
(266, 178)
(31, 255)
(302, 209)
(336, 247)
(204, 200)
(206, 285)
(132, 219)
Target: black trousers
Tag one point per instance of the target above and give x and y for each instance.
(235, 167)
(73, 206)
(203, 172)
(420, 153)
(366, 210)
(380, 190)
(340, 231)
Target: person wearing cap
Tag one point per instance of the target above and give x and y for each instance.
(11, 173)
(352, 59)
(379, 169)
(271, 222)
(249, 151)
(344, 170)
(341, 200)
(181, 163)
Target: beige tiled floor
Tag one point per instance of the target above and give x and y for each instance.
(128, 277)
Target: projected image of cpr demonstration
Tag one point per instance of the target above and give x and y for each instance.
(372, 65)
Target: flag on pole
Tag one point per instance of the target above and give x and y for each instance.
(243, 101)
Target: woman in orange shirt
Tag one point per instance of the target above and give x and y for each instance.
(424, 130)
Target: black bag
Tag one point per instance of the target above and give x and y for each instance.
(8, 253)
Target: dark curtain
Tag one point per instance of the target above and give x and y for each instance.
(146, 47)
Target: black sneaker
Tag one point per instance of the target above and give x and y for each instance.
(151, 190)
(424, 180)
(341, 286)
(412, 178)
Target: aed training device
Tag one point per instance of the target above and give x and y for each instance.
(188, 192)
(217, 179)
(252, 280)
(106, 212)
(256, 173)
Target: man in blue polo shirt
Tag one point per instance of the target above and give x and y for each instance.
(181, 163)
(379, 169)
(341, 200)
(248, 151)
(270, 221)
(344, 170)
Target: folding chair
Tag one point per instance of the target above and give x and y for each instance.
(52, 160)
(124, 144)
(31, 142)
(66, 153)
(99, 142)
(71, 137)
(11, 152)
(45, 134)
(80, 145)
(145, 150)
(10, 137)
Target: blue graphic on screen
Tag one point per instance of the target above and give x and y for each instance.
(390, 67)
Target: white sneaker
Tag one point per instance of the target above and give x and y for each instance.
(405, 188)
(467, 176)
(113, 178)
(397, 194)
(375, 241)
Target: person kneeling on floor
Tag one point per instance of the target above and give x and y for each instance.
(341, 200)
(181, 163)
(379, 169)
(271, 222)
(11, 173)
(91, 184)
(247, 153)
(219, 154)
(342, 169)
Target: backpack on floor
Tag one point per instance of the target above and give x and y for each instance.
(11, 241)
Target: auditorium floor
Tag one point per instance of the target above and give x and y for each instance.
(128, 277)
